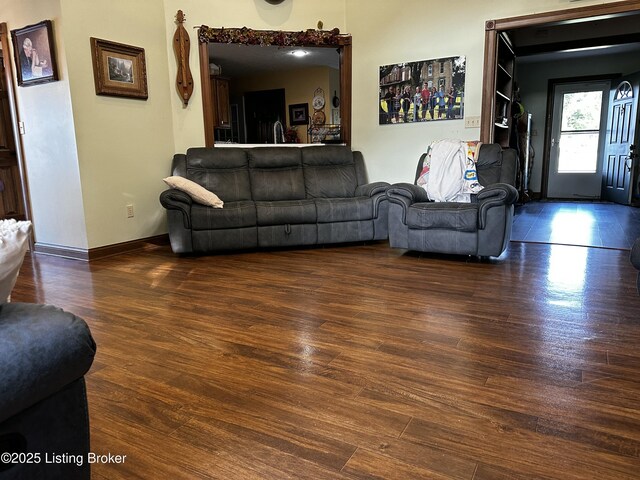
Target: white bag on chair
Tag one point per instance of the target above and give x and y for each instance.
(449, 171)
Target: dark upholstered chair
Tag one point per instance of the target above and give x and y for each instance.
(480, 228)
(44, 354)
(635, 260)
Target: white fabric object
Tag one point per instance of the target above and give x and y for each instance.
(446, 179)
(14, 241)
(197, 192)
(449, 172)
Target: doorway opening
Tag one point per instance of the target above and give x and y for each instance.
(263, 109)
(564, 46)
(330, 41)
(13, 185)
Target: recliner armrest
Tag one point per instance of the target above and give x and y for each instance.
(174, 199)
(503, 191)
(371, 189)
(42, 350)
(408, 191)
(405, 195)
(497, 194)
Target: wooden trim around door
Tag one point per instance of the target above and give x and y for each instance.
(345, 90)
(15, 118)
(494, 27)
(207, 98)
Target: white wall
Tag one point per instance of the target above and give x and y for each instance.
(124, 145)
(534, 78)
(49, 143)
(393, 32)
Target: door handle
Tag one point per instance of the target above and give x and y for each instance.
(628, 163)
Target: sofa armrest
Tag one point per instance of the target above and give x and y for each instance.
(42, 350)
(371, 189)
(498, 194)
(174, 199)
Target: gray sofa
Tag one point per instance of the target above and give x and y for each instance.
(480, 228)
(274, 197)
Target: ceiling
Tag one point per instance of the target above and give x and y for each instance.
(242, 60)
(563, 40)
(587, 37)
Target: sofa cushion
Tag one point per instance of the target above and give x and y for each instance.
(276, 174)
(286, 212)
(329, 171)
(446, 215)
(224, 171)
(344, 209)
(233, 215)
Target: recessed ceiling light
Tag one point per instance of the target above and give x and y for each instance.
(299, 53)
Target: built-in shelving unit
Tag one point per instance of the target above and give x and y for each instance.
(505, 71)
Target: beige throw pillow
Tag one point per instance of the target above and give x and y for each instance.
(197, 193)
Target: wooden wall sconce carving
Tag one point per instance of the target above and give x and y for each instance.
(181, 44)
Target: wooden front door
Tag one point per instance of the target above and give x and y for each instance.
(620, 156)
(11, 198)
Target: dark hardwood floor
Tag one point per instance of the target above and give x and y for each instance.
(358, 362)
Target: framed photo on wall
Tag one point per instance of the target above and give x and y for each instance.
(118, 69)
(299, 114)
(422, 91)
(34, 53)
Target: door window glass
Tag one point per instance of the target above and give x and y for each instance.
(580, 132)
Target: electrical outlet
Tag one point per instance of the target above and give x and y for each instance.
(472, 122)
(129, 211)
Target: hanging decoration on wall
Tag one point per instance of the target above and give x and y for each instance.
(181, 45)
(318, 117)
(422, 91)
(35, 54)
(119, 70)
(247, 36)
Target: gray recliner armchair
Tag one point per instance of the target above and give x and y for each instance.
(480, 228)
(44, 354)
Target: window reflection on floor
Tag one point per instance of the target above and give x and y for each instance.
(566, 275)
(570, 224)
(594, 224)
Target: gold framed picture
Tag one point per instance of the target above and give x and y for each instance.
(119, 70)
